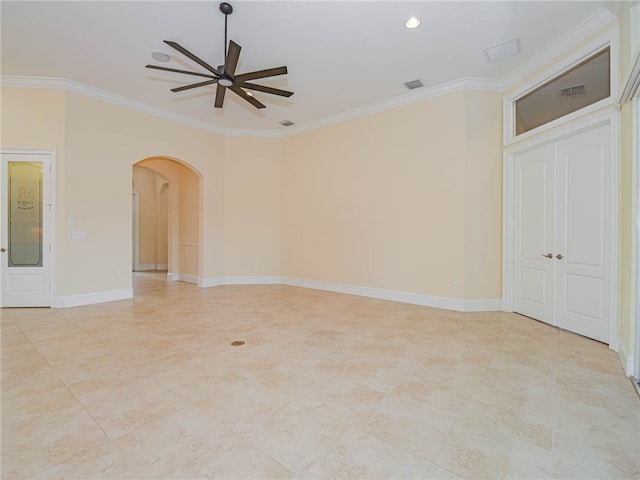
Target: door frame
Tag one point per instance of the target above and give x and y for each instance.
(135, 261)
(52, 211)
(636, 146)
(611, 117)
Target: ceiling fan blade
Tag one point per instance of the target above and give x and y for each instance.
(206, 75)
(269, 72)
(220, 96)
(195, 85)
(190, 55)
(262, 88)
(231, 62)
(241, 93)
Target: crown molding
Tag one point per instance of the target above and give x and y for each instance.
(477, 84)
(560, 47)
(86, 90)
(574, 37)
(480, 84)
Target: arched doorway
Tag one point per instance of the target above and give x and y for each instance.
(168, 227)
(150, 220)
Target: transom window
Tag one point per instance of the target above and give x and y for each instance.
(581, 85)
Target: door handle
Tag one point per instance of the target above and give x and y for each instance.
(548, 255)
(559, 256)
(2, 249)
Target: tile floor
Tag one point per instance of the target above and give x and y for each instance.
(326, 386)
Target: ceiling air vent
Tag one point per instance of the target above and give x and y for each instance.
(571, 91)
(498, 52)
(286, 123)
(413, 84)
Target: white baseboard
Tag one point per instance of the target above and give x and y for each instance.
(210, 282)
(185, 277)
(143, 267)
(240, 280)
(66, 301)
(380, 293)
(253, 280)
(625, 359)
(398, 296)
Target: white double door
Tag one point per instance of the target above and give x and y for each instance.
(562, 233)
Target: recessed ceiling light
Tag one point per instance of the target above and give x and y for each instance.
(413, 22)
(160, 57)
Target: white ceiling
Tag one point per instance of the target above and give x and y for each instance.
(340, 55)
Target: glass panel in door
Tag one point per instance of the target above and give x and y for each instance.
(25, 214)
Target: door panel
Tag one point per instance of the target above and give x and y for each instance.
(25, 231)
(562, 205)
(534, 213)
(582, 233)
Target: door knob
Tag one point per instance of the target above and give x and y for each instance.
(2, 249)
(559, 256)
(548, 255)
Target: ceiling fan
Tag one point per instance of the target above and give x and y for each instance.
(225, 75)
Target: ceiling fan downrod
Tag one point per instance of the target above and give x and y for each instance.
(227, 9)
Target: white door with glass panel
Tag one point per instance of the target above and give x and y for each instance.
(25, 236)
(562, 236)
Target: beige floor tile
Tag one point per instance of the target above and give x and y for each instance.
(447, 395)
(240, 405)
(105, 463)
(232, 458)
(531, 423)
(411, 426)
(476, 452)
(24, 410)
(295, 435)
(343, 400)
(357, 455)
(118, 418)
(29, 448)
(34, 378)
(327, 385)
(157, 448)
(584, 450)
(437, 473)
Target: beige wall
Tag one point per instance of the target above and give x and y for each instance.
(381, 201)
(34, 118)
(359, 203)
(483, 196)
(103, 142)
(252, 206)
(629, 48)
(188, 223)
(97, 144)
